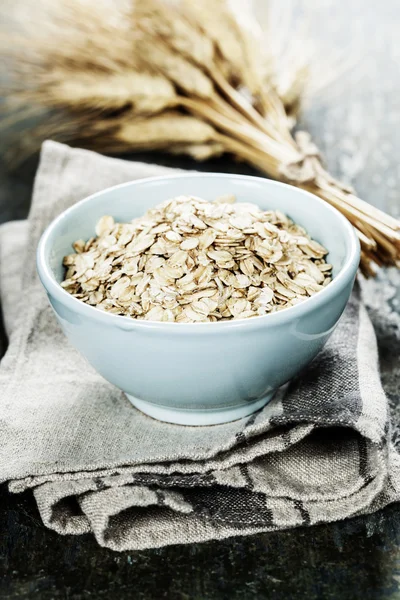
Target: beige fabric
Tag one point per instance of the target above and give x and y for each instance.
(318, 452)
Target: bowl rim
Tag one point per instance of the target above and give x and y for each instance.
(345, 275)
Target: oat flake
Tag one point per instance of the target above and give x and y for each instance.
(189, 260)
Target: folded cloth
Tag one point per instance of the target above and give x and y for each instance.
(318, 452)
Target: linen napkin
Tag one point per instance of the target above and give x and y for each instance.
(318, 452)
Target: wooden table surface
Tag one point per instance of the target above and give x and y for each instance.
(356, 126)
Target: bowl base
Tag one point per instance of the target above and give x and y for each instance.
(216, 416)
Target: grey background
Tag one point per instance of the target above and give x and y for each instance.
(355, 122)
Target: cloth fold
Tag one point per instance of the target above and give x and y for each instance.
(318, 452)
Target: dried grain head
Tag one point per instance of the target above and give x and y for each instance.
(143, 93)
(76, 34)
(219, 24)
(198, 151)
(164, 130)
(61, 56)
(155, 54)
(168, 21)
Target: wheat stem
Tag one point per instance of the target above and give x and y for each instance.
(244, 132)
(257, 158)
(248, 110)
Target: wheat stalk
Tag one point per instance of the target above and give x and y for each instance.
(178, 76)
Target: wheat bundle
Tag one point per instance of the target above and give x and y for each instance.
(176, 75)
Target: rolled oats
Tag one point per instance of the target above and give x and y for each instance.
(189, 260)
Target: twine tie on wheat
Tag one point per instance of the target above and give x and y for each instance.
(307, 167)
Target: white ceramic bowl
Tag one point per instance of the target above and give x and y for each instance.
(200, 373)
